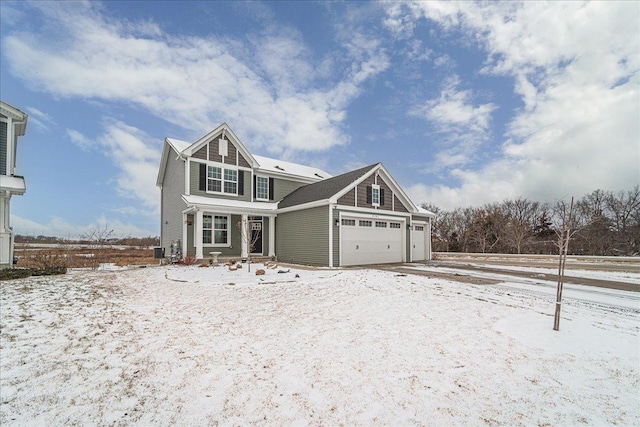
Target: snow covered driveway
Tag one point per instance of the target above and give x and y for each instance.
(204, 346)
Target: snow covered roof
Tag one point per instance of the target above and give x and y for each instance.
(13, 184)
(425, 212)
(178, 145)
(280, 167)
(234, 206)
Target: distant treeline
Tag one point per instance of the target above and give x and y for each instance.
(126, 241)
(604, 222)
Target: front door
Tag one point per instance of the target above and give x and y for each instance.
(256, 236)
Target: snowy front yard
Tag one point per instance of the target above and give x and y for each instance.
(204, 346)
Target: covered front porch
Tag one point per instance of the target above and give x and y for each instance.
(228, 228)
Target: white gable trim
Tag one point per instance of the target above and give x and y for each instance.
(189, 151)
(166, 152)
(388, 179)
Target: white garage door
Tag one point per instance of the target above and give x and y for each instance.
(418, 245)
(370, 241)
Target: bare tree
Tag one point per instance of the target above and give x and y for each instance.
(486, 227)
(521, 215)
(624, 209)
(563, 241)
(99, 239)
(249, 237)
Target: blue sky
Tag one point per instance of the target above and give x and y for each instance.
(465, 103)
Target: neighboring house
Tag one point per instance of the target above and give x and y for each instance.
(13, 124)
(298, 214)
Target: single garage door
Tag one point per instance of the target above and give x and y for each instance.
(370, 241)
(418, 243)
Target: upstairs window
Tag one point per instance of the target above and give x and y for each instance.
(214, 179)
(231, 181)
(262, 188)
(375, 195)
(221, 180)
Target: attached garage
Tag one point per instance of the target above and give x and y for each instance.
(367, 240)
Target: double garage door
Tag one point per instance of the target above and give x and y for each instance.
(370, 241)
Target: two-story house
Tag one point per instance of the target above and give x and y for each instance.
(214, 188)
(13, 123)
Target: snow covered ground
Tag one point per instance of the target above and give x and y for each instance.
(205, 346)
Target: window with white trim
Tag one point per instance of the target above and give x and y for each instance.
(375, 195)
(231, 181)
(351, 222)
(394, 225)
(215, 230)
(381, 224)
(220, 230)
(262, 188)
(221, 180)
(214, 179)
(364, 223)
(419, 228)
(207, 229)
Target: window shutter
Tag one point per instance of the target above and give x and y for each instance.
(203, 177)
(254, 186)
(382, 197)
(369, 194)
(270, 188)
(240, 183)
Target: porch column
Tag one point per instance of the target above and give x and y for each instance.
(272, 236)
(183, 244)
(244, 251)
(197, 234)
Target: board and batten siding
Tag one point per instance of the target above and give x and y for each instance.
(171, 204)
(194, 185)
(302, 237)
(3, 147)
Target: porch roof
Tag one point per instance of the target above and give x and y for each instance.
(229, 206)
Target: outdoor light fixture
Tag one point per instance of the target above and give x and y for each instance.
(337, 223)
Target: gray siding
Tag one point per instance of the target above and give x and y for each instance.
(3, 148)
(408, 245)
(236, 240)
(194, 185)
(171, 204)
(349, 199)
(282, 187)
(302, 237)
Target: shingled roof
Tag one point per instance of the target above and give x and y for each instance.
(323, 190)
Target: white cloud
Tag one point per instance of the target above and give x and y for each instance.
(575, 66)
(134, 153)
(463, 125)
(266, 89)
(39, 119)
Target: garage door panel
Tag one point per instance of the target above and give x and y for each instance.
(370, 244)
